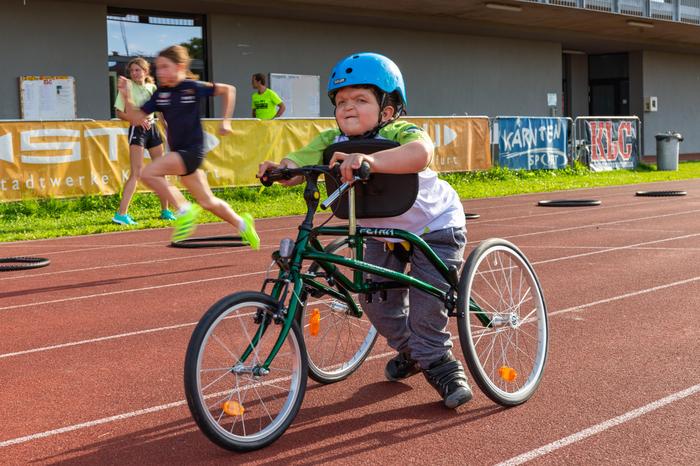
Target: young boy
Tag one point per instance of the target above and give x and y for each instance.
(368, 93)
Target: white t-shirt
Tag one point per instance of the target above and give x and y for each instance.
(437, 207)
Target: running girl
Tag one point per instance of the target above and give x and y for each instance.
(178, 98)
(142, 136)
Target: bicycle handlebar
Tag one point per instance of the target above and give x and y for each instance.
(279, 174)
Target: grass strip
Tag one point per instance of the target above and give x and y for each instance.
(51, 218)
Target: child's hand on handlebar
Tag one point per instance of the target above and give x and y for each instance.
(265, 166)
(269, 165)
(348, 163)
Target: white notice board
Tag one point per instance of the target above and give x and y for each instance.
(47, 97)
(299, 92)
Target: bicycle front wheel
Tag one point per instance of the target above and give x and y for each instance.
(337, 341)
(236, 403)
(503, 327)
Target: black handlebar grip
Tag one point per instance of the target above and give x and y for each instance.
(363, 172)
(265, 180)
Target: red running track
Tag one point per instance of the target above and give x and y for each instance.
(92, 349)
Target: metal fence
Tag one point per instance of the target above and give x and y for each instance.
(686, 11)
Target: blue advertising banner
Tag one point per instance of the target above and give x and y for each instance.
(613, 144)
(532, 143)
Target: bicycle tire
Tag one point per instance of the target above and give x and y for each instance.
(210, 242)
(660, 193)
(226, 376)
(471, 216)
(22, 263)
(511, 377)
(350, 348)
(569, 203)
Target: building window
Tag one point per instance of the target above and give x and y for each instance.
(143, 34)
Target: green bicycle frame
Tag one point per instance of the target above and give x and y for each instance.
(308, 248)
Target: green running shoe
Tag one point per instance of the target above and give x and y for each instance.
(249, 234)
(186, 223)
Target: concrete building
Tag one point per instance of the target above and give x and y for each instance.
(476, 57)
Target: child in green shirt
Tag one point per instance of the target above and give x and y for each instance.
(368, 93)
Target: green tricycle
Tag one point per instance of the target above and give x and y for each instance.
(248, 358)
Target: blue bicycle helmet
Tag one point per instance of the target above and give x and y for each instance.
(367, 69)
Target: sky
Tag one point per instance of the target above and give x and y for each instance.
(146, 39)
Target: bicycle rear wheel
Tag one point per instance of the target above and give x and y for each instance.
(337, 342)
(503, 329)
(237, 405)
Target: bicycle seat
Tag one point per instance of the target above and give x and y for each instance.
(383, 195)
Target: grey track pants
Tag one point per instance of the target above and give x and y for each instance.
(422, 331)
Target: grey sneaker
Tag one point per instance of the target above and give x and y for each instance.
(447, 376)
(400, 367)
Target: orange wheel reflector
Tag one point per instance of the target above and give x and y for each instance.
(507, 373)
(233, 408)
(314, 322)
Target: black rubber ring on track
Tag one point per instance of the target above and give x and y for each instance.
(210, 242)
(569, 203)
(470, 216)
(22, 263)
(660, 193)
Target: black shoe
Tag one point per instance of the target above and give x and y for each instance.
(447, 376)
(400, 367)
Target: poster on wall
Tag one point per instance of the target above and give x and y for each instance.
(47, 97)
(300, 94)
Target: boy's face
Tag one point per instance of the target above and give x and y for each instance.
(357, 110)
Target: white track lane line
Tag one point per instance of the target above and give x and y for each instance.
(148, 288)
(616, 222)
(130, 290)
(112, 266)
(178, 326)
(539, 452)
(153, 409)
(623, 296)
(598, 428)
(571, 309)
(90, 247)
(97, 340)
(119, 417)
(616, 248)
(97, 422)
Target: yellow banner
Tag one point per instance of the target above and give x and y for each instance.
(62, 159)
(461, 143)
(68, 159)
(233, 160)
